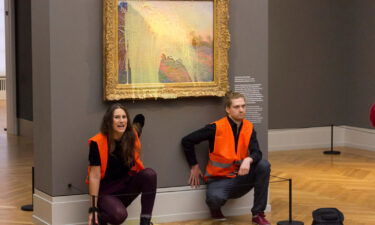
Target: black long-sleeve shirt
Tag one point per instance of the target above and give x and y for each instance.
(208, 133)
(116, 167)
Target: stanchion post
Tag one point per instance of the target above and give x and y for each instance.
(332, 152)
(290, 221)
(30, 207)
(290, 199)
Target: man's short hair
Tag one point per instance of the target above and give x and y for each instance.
(232, 95)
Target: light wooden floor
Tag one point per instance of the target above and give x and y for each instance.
(15, 175)
(346, 181)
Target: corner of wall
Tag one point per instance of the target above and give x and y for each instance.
(25, 128)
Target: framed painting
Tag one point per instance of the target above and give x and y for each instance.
(165, 48)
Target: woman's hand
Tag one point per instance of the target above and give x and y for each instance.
(94, 184)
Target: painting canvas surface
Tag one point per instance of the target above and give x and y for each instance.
(165, 42)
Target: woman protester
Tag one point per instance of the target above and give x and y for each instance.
(116, 175)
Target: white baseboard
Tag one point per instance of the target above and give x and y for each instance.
(59, 210)
(360, 138)
(171, 205)
(320, 137)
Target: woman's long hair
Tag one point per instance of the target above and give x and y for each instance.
(127, 139)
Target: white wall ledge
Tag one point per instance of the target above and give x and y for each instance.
(171, 205)
(320, 137)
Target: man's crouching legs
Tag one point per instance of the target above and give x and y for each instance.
(261, 180)
(262, 175)
(216, 197)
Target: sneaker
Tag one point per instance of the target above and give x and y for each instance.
(217, 215)
(146, 221)
(138, 123)
(260, 219)
(101, 222)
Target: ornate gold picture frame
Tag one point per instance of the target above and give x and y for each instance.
(165, 49)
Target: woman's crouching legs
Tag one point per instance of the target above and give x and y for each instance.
(148, 180)
(111, 210)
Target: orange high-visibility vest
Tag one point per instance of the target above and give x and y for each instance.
(102, 142)
(224, 160)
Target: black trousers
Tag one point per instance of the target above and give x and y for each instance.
(116, 196)
(220, 190)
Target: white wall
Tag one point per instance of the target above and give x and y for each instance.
(320, 137)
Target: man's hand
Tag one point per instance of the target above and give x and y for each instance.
(195, 175)
(245, 166)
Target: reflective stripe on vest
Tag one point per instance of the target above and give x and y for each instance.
(238, 162)
(221, 165)
(102, 142)
(208, 175)
(225, 161)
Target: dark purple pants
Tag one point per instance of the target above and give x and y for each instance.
(115, 196)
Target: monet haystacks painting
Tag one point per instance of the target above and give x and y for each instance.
(165, 49)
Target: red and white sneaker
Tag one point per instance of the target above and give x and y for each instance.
(217, 215)
(260, 219)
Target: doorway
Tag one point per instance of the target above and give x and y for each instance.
(9, 34)
(3, 115)
(18, 55)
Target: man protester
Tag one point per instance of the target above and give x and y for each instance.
(235, 164)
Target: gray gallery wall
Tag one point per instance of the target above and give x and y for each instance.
(23, 59)
(42, 123)
(361, 83)
(249, 53)
(308, 63)
(68, 106)
(321, 62)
